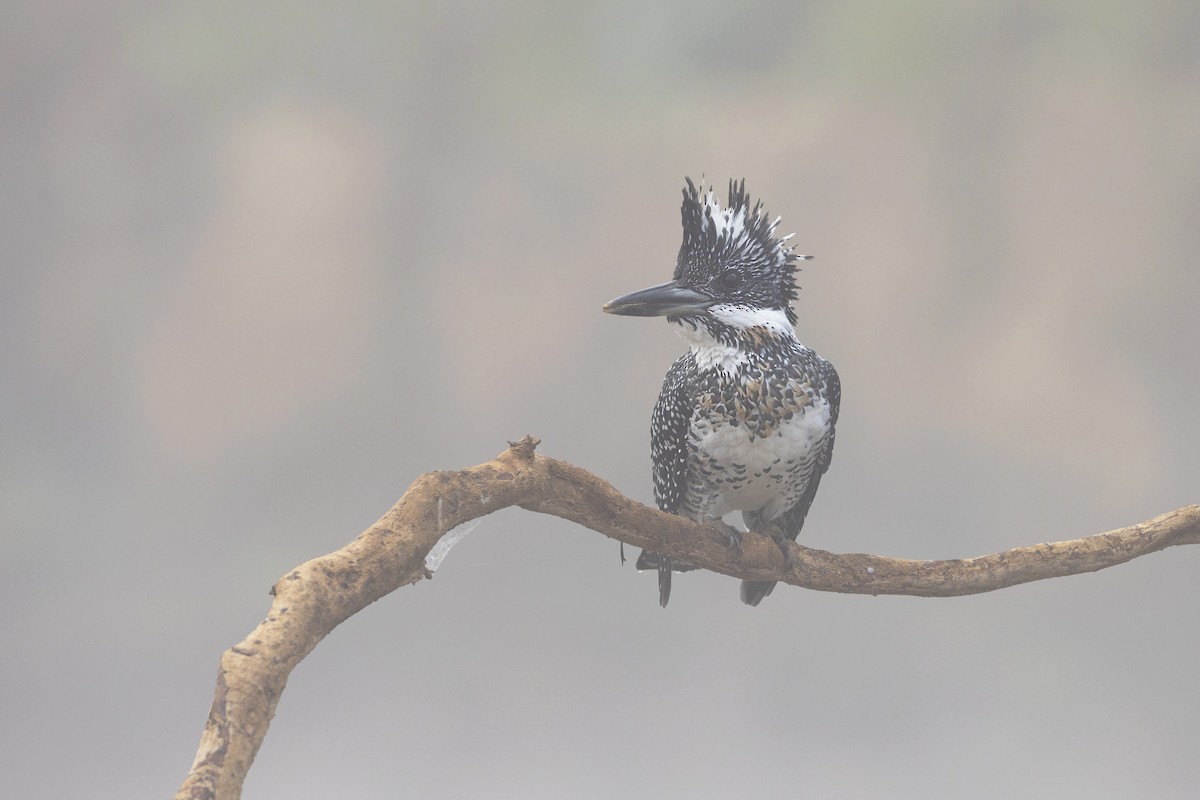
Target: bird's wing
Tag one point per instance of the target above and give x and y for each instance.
(669, 434)
(669, 453)
(833, 395)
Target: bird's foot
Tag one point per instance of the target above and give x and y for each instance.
(728, 535)
(775, 531)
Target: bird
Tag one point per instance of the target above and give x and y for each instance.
(746, 417)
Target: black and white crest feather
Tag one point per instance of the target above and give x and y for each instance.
(737, 237)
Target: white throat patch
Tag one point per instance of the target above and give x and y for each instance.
(745, 318)
(711, 353)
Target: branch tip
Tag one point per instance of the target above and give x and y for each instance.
(524, 448)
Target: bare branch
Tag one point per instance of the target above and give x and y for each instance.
(314, 598)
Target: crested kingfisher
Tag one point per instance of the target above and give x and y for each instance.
(745, 419)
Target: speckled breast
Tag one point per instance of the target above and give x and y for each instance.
(753, 442)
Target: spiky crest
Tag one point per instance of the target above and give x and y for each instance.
(736, 237)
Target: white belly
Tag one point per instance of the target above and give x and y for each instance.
(767, 474)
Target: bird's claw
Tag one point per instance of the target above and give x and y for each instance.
(732, 536)
(788, 561)
(777, 536)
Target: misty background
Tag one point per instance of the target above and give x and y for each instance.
(264, 264)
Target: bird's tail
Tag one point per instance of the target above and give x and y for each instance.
(754, 591)
(665, 565)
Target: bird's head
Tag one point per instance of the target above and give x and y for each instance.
(733, 273)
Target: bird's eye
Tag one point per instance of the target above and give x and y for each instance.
(731, 279)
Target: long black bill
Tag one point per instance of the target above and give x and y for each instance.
(669, 299)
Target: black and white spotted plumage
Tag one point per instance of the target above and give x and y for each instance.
(746, 418)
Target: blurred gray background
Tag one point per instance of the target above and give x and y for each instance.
(264, 265)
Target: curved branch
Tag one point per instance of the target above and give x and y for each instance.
(318, 595)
